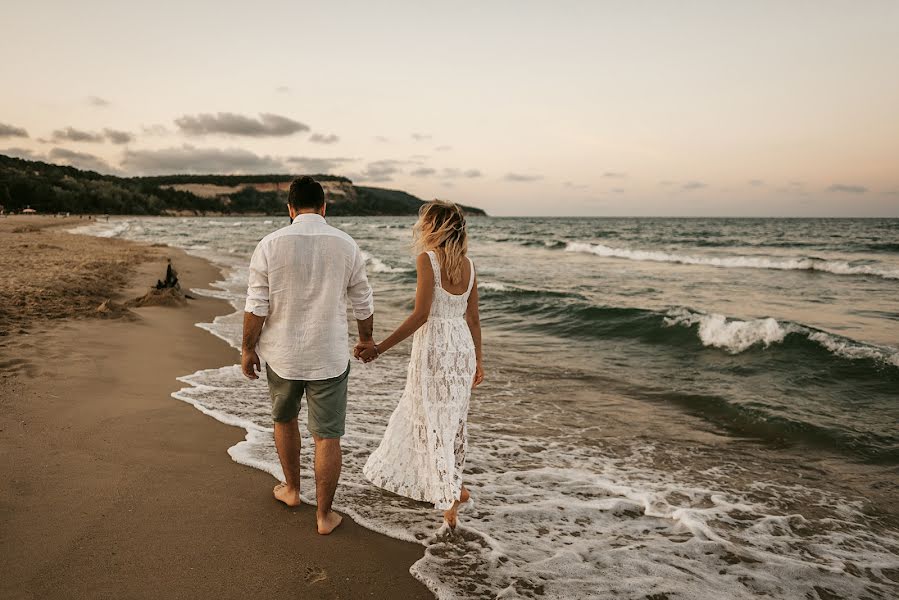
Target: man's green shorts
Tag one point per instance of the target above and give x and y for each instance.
(326, 399)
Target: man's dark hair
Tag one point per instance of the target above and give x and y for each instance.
(306, 193)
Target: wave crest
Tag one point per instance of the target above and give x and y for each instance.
(804, 263)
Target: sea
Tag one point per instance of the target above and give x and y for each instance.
(673, 408)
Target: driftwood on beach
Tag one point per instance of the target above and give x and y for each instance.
(166, 292)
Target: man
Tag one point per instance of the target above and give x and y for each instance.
(295, 318)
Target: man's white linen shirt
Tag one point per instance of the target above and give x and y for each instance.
(301, 277)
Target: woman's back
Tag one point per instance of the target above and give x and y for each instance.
(452, 302)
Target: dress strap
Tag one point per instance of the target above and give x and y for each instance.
(471, 276)
(436, 267)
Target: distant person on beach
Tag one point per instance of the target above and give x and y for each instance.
(422, 454)
(301, 277)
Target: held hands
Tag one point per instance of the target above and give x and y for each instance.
(366, 351)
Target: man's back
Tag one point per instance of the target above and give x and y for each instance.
(300, 279)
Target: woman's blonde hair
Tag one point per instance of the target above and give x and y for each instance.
(441, 228)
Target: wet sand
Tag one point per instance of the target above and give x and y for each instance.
(111, 488)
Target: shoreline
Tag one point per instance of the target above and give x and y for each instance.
(113, 487)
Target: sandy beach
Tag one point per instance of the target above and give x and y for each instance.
(111, 488)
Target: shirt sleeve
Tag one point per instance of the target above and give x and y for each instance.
(358, 290)
(257, 288)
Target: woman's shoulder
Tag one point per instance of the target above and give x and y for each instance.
(423, 260)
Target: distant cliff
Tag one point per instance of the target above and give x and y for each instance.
(50, 188)
(343, 198)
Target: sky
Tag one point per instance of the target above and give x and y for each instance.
(677, 108)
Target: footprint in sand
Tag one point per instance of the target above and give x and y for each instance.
(315, 574)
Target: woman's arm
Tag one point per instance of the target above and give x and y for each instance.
(424, 295)
(473, 318)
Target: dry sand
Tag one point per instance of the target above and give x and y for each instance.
(113, 489)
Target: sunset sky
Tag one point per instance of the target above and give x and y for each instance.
(688, 108)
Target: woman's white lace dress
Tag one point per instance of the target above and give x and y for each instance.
(423, 451)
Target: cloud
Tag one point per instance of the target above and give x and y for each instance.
(267, 125)
(189, 159)
(317, 165)
(756, 182)
(423, 172)
(614, 175)
(282, 89)
(81, 160)
(443, 148)
(8, 131)
(118, 137)
(618, 190)
(319, 138)
(519, 177)
(381, 138)
(22, 153)
(421, 137)
(693, 185)
(847, 188)
(76, 135)
(454, 173)
(667, 182)
(575, 186)
(156, 129)
(379, 170)
(97, 101)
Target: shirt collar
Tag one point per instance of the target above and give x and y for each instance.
(309, 218)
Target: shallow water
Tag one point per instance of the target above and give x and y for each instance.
(675, 408)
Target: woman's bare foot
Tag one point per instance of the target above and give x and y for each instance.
(288, 496)
(328, 523)
(451, 516)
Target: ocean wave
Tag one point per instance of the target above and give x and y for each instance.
(104, 230)
(736, 336)
(805, 263)
(379, 266)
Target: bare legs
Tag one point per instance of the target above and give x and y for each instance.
(287, 441)
(451, 515)
(328, 461)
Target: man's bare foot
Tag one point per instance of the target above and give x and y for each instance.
(464, 495)
(288, 496)
(328, 523)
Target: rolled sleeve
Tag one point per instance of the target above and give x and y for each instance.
(359, 291)
(257, 287)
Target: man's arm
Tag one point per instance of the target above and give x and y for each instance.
(255, 312)
(361, 298)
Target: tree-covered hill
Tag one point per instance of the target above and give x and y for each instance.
(50, 188)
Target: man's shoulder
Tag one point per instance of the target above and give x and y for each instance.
(274, 235)
(320, 229)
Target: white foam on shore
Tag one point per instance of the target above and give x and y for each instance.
(836, 267)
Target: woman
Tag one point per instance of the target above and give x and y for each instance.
(423, 451)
